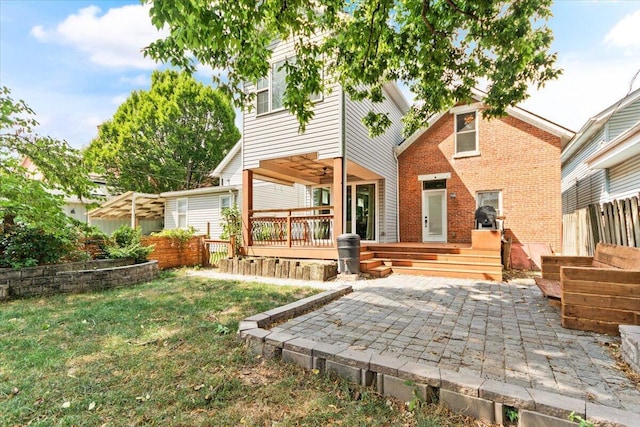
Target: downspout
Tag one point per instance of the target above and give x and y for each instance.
(343, 146)
(395, 156)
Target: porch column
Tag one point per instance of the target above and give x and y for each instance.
(338, 199)
(247, 206)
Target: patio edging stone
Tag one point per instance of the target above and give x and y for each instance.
(481, 398)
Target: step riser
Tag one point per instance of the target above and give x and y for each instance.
(489, 268)
(434, 257)
(431, 250)
(455, 274)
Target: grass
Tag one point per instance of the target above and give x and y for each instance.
(166, 353)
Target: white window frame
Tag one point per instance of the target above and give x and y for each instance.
(500, 209)
(225, 197)
(464, 111)
(185, 214)
(268, 89)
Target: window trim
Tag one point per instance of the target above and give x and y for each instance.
(186, 213)
(500, 209)
(227, 197)
(476, 129)
(269, 88)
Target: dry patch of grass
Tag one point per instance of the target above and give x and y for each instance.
(165, 353)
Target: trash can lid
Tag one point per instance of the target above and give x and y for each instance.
(348, 237)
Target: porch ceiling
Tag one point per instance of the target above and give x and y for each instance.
(307, 169)
(147, 206)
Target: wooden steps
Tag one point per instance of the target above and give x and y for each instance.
(458, 261)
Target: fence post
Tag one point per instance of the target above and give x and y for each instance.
(289, 229)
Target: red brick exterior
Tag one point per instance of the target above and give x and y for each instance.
(519, 159)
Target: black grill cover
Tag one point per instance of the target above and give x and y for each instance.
(486, 217)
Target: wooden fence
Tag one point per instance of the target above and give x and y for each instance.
(616, 222)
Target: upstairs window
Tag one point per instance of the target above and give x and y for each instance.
(270, 90)
(466, 133)
(225, 203)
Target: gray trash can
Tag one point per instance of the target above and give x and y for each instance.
(349, 253)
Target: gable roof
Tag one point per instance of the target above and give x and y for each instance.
(594, 124)
(227, 159)
(519, 113)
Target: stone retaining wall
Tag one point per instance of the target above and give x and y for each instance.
(484, 399)
(281, 268)
(74, 277)
(630, 349)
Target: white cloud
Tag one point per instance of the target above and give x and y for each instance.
(587, 87)
(626, 33)
(139, 80)
(114, 39)
(119, 99)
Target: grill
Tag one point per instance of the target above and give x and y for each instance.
(486, 218)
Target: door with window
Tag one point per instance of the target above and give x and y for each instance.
(434, 212)
(361, 210)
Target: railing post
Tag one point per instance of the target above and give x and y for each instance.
(289, 229)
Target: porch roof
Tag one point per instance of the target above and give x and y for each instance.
(143, 205)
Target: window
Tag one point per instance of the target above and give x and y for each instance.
(322, 197)
(270, 91)
(225, 202)
(263, 96)
(466, 133)
(182, 213)
(490, 198)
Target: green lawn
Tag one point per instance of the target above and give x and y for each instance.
(166, 353)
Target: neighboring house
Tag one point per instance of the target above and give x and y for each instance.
(602, 162)
(201, 208)
(462, 161)
(73, 206)
(351, 176)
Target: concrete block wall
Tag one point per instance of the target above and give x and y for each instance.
(484, 399)
(630, 349)
(74, 277)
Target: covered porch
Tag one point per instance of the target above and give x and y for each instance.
(342, 197)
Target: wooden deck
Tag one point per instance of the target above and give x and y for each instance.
(431, 259)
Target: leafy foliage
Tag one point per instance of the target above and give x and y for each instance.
(232, 222)
(33, 226)
(180, 235)
(27, 246)
(440, 49)
(125, 243)
(168, 138)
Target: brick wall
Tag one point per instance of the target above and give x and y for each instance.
(73, 277)
(516, 158)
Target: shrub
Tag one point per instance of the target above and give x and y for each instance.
(26, 246)
(125, 243)
(179, 236)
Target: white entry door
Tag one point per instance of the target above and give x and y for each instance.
(434, 215)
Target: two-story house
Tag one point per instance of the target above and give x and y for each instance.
(351, 179)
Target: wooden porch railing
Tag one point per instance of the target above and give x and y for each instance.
(294, 227)
(218, 249)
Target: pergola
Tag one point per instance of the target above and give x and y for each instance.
(130, 205)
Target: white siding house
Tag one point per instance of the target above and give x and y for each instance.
(202, 208)
(353, 176)
(602, 162)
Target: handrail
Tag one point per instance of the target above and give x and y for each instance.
(310, 208)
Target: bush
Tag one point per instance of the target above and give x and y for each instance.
(27, 246)
(179, 236)
(125, 243)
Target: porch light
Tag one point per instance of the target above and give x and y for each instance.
(452, 195)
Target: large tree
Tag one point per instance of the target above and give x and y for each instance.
(168, 138)
(440, 49)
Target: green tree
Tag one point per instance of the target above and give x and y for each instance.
(23, 199)
(168, 138)
(440, 48)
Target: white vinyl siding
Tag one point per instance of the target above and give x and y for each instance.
(624, 179)
(276, 134)
(232, 173)
(582, 186)
(376, 154)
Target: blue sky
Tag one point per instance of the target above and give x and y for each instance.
(75, 61)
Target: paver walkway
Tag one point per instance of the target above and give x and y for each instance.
(501, 331)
